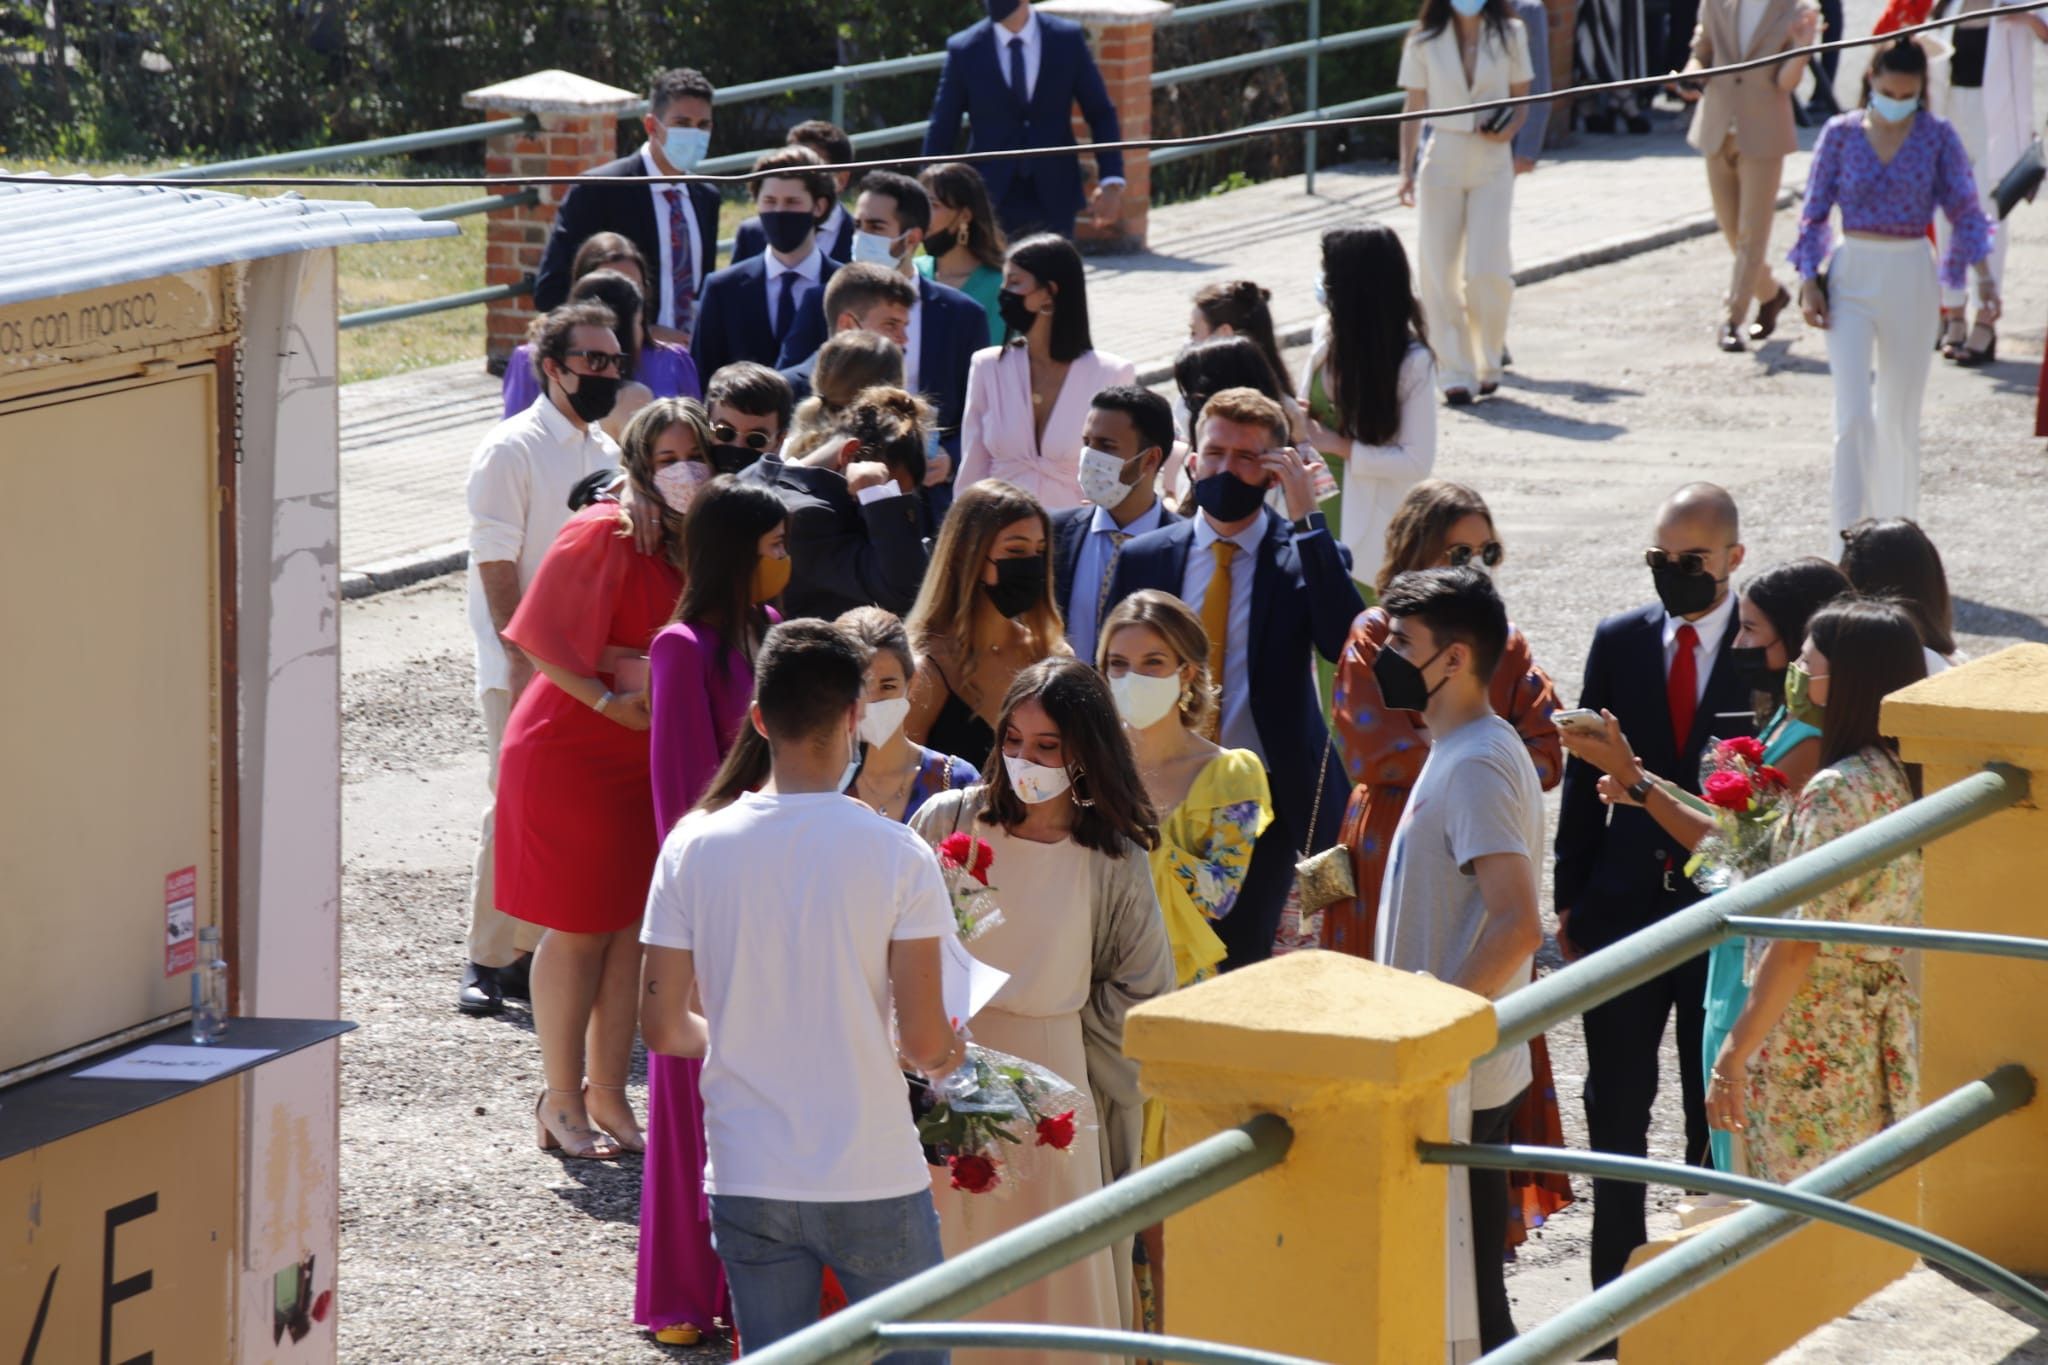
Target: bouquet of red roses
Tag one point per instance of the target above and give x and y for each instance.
(1747, 797)
(992, 1106)
(965, 861)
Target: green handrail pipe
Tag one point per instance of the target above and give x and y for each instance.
(1898, 936)
(1284, 52)
(1312, 93)
(1220, 9)
(1373, 104)
(1654, 950)
(398, 311)
(1044, 1245)
(488, 204)
(1605, 1313)
(1031, 1336)
(359, 151)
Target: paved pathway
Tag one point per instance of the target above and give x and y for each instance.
(406, 440)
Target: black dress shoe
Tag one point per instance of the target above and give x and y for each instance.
(480, 992)
(1458, 398)
(1489, 387)
(1637, 123)
(516, 981)
(1767, 314)
(1731, 338)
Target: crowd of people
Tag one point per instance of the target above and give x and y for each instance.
(783, 573)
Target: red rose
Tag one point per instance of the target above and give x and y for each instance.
(1730, 791)
(1057, 1131)
(955, 849)
(1773, 776)
(984, 858)
(1743, 747)
(974, 1174)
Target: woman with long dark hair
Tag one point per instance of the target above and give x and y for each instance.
(984, 615)
(1894, 558)
(1205, 368)
(1063, 806)
(736, 562)
(1026, 401)
(1239, 308)
(1465, 52)
(964, 246)
(1372, 416)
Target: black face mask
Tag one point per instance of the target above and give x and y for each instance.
(1010, 307)
(999, 10)
(1757, 675)
(1684, 594)
(1228, 498)
(594, 396)
(786, 229)
(732, 459)
(1019, 585)
(939, 243)
(1401, 683)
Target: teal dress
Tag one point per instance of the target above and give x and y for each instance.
(982, 286)
(1726, 990)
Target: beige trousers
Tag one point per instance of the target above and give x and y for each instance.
(1464, 199)
(1745, 190)
(495, 938)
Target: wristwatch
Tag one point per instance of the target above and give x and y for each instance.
(1639, 790)
(1312, 522)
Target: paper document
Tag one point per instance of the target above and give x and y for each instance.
(173, 1062)
(967, 982)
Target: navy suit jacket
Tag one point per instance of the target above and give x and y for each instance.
(748, 240)
(1612, 862)
(594, 206)
(1069, 533)
(1303, 603)
(975, 81)
(732, 320)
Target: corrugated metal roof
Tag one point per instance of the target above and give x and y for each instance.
(74, 233)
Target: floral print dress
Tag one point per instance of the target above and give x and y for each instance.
(1841, 1064)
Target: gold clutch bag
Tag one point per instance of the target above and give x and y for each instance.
(1324, 878)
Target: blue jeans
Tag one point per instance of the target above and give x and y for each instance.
(776, 1250)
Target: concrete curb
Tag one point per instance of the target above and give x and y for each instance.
(387, 574)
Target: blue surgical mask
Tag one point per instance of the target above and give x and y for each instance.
(1468, 8)
(1889, 109)
(683, 148)
(876, 249)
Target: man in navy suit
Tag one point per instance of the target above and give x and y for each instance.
(675, 226)
(1017, 76)
(1664, 672)
(860, 298)
(771, 309)
(1272, 595)
(835, 233)
(1124, 440)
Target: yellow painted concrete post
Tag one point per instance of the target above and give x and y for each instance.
(1988, 1191)
(1337, 1254)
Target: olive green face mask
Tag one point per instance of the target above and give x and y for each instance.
(1799, 702)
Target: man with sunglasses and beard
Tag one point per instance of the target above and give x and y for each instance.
(1664, 672)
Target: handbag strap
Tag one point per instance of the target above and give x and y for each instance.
(1316, 811)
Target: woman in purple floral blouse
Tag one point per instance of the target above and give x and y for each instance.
(1886, 166)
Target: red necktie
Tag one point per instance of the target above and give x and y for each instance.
(1681, 688)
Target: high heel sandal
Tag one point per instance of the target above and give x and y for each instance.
(584, 1144)
(631, 1144)
(1949, 341)
(1970, 357)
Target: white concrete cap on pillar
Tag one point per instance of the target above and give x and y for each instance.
(554, 92)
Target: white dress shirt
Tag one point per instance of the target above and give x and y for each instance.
(519, 482)
(1748, 14)
(1711, 628)
(1238, 730)
(828, 231)
(1097, 562)
(810, 270)
(666, 316)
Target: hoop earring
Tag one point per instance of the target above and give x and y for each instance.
(1074, 790)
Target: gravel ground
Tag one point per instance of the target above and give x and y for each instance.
(460, 1240)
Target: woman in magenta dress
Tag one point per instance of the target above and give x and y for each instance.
(575, 812)
(702, 664)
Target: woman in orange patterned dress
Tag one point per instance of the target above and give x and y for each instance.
(1438, 523)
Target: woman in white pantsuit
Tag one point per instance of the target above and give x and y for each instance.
(1464, 52)
(1887, 166)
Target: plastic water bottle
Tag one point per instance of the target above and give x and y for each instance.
(209, 989)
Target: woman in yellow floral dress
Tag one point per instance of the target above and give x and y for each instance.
(1824, 1054)
(1213, 802)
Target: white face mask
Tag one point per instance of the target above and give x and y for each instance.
(1141, 699)
(677, 483)
(1102, 478)
(880, 722)
(875, 249)
(1035, 783)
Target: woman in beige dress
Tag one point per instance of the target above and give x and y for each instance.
(1083, 941)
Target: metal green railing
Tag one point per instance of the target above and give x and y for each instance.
(399, 311)
(400, 145)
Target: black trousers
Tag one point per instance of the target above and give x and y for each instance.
(1622, 1040)
(1250, 927)
(1490, 1229)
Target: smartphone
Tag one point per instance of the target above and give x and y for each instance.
(1581, 722)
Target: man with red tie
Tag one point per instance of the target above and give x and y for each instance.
(1665, 673)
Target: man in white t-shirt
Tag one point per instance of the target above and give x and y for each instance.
(1459, 898)
(800, 916)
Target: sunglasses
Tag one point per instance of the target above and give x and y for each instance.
(1490, 554)
(600, 362)
(1691, 562)
(726, 434)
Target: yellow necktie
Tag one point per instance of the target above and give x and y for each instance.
(1216, 613)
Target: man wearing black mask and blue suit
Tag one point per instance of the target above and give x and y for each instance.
(1665, 673)
(1017, 76)
(1272, 592)
(771, 309)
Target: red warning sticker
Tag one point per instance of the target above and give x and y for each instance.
(181, 914)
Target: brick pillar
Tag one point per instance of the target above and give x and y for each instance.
(1120, 33)
(579, 129)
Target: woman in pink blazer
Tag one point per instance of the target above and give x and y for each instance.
(1026, 400)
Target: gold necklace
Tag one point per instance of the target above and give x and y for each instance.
(893, 797)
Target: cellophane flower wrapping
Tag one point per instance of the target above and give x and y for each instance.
(1749, 798)
(993, 1105)
(965, 860)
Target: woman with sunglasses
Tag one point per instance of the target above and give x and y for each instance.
(1082, 938)
(662, 369)
(736, 561)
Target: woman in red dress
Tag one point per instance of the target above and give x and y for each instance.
(576, 843)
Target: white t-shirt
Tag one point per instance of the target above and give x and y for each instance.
(788, 905)
(1477, 794)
